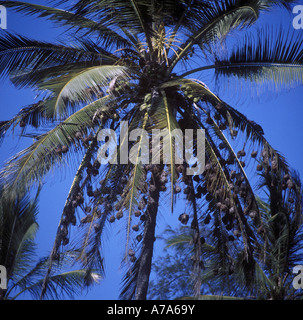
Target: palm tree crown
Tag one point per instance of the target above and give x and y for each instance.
(132, 61)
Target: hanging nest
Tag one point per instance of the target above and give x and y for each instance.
(131, 252)
(183, 218)
(139, 237)
(64, 149)
(135, 227)
(119, 215)
(207, 219)
(137, 213)
(237, 233)
(177, 189)
(112, 219)
(254, 154)
(259, 167)
(86, 219)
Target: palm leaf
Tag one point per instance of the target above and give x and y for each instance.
(71, 89)
(265, 58)
(31, 164)
(77, 22)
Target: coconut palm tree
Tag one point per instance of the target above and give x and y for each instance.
(24, 272)
(132, 61)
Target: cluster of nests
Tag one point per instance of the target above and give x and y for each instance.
(224, 202)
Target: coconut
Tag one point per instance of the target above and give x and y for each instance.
(254, 154)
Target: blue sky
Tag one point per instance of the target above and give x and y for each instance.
(279, 115)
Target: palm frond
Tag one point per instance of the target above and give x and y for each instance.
(71, 89)
(268, 58)
(28, 166)
(78, 23)
(19, 54)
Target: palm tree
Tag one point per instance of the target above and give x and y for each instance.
(132, 61)
(18, 227)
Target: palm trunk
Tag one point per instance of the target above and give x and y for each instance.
(148, 239)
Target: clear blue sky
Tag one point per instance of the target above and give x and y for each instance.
(279, 115)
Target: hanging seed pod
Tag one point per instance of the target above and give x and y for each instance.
(254, 154)
(259, 167)
(242, 164)
(186, 190)
(112, 219)
(133, 259)
(135, 227)
(119, 215)
(139, 237)
(183, 218)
